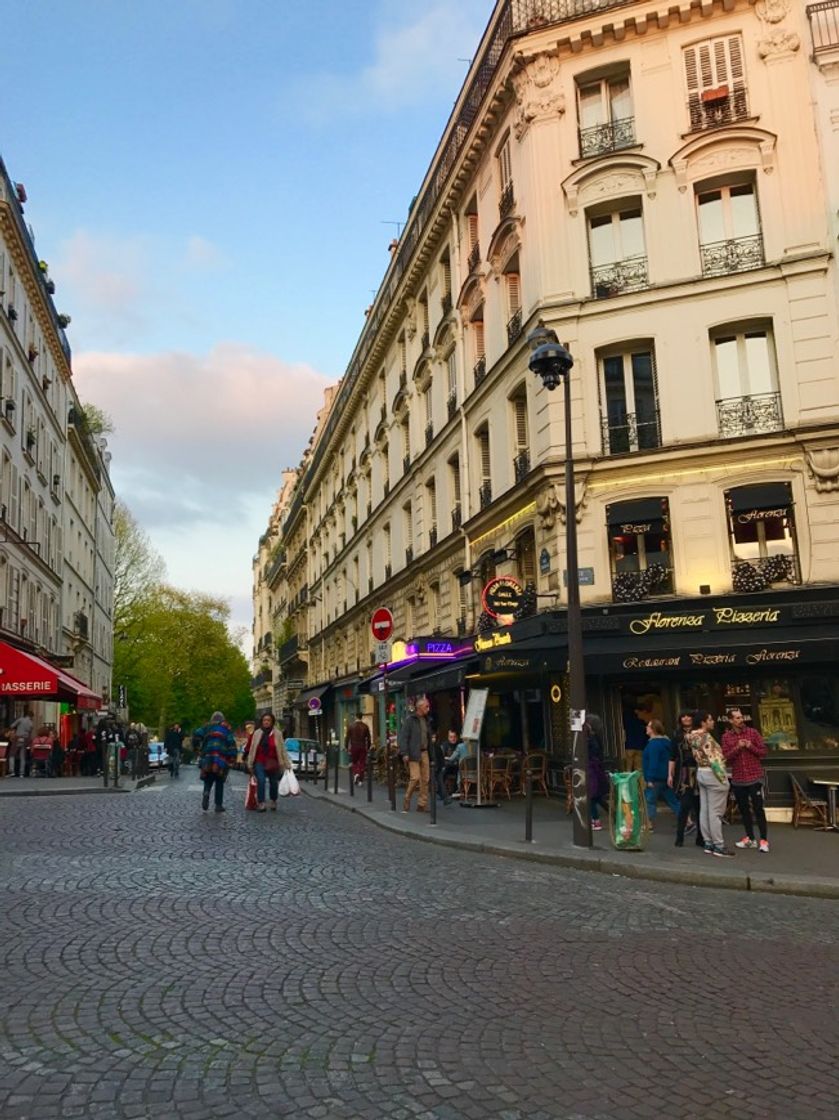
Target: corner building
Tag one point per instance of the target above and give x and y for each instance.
(652, 184)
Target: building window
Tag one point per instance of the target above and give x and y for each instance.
(434, 607)
(761, 531)
(451, 384)
(629, 389)
(484, 466)
(729, 229)
(473, 248)
(454, 485)
(514, 319)
(521, 443)
(506, 198)
(422, 303)
(431, 510)
(617, 253)
(606, 121)
(388, 552)
(479, 368)
(429, 416)
(406, 443)
(386, 470)
(748, 400)
(410, 611)
(639, 549)
(716, 83)
(526, 557)
(446, 281)
(408, 532)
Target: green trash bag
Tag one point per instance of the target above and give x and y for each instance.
(628, 811)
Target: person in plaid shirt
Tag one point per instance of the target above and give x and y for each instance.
(744, 751)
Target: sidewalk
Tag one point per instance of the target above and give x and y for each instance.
(56, 787)
(802, 861)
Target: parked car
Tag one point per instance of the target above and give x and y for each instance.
(306, 756)
(158, 758)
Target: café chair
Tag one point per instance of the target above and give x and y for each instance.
(535, 767)
(806, 809)
(468, 777)
(499, 776)
(4, 760)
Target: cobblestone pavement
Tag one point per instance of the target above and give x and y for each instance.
(162, 962)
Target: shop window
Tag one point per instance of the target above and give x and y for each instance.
(640, 550)
(761, 531)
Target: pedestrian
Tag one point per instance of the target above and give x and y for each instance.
(40, 750)
(414, 741)
(683, 779)
(21, 738)
(132, 742)
(173, 742)
(658, 781)
(744, 751)
(218, 752)
(438, 761)
(455, 752)
(712, 781)
(635, 737)
(357, 741)
(267, 756)
(598, 779)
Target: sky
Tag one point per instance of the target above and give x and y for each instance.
(210, 182)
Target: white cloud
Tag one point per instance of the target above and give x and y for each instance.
(202, 254)
(412, 62)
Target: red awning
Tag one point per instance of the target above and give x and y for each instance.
(25, 676)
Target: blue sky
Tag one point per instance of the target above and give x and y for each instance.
(208, 180)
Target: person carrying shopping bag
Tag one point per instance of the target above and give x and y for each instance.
(267, 759)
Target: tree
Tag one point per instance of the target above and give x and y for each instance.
(99, 422)
(138, 569)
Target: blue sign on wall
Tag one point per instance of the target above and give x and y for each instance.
(544, 561)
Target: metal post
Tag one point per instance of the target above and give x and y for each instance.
(528, 809)
(391, 762)
(576, 666)
(325, 767)
(337, 754)
(352, 781)
(432, 789)
(370, 772)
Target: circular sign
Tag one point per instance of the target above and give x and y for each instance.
(314, 705)
(381, 624)
(502, 597)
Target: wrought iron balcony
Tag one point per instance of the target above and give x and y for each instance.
(631, 435)
(521, 465)
(485, 494)
(751, 415)
(737, 255)
(507, 201)
(514, 327)
(456, 517)
(760, 574)
(614, 279)
(290, 649)
(429, 434)
(426, 339)
(403, 379)
(82, 628)
(480, 370)
(824, 25)
(451, 404)
(611, 137)
(409, 554)
(446, 303)
(432, 536)
(369, 584)
(406, 462)
(388, 571)
(716, 108)
(386, 486)
(474, 258)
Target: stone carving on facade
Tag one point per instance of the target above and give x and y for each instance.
(501, 254)
(410, 317)
(472, 296)
(750, 147)
(823, 465)
(771, 11)
(538, 94)
(589, 185)
(551, 507)
(778, 43)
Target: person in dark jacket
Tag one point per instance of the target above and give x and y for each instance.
(598, 779)
(656, 766)
(682, 778)
(218, 753)
(357, 742)
(414, 743)
(173, 743)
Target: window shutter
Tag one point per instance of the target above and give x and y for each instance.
(452, 370)
(388, 553)
(485, 458)
(456, 481)
(735, 62)
(505, 164)
(520, 405)
(480, 352)
(14, 503)
(428, 413)
(432, 504)
(472, 230)
(513, 292)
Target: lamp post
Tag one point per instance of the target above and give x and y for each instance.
(551, 362)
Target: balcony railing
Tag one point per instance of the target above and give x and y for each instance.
(629, 587)
(451, 404)
(507, 201)
(426, 339)
(406, 462)
(409, 555)
(474, 258)
(632, 434)
(716, 108)
(480, 371)
(457, 517)
(403, 379)
(614, 279)
(737, 255)
(521, 465)
(432, 536)
(81, 625)
(824, 25)
(429, 434)
(611, 137)
(290, 649)
(514, 327)
(751, 415)
(388, 571)
(760, 574)
(461, 626)
(485, 494)
(446, 303)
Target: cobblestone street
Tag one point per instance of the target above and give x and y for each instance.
(163, 962)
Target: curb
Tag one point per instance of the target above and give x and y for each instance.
(609, 865)
(84, 791)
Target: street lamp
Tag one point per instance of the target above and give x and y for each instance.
(551, 361)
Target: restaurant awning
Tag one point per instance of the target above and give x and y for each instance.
(766, 495)
(640, 510)
(25, 676)
(442, 678)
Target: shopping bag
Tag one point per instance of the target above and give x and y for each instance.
(250, 796)
(285, 788)
(293, 784)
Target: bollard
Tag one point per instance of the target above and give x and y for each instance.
(528, 810)
(370, 775)
(352, 781)
(326, 769)
(432, 793)
(337, 755)
(391, 777)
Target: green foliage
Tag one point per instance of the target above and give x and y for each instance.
(99, 423)
(173, 649)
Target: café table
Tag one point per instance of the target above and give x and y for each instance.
(832, 785)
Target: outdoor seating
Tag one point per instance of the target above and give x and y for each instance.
(498, 776)
(535, 767)
(4, 760)
(40, 756)
(468, 777)
(807, 809)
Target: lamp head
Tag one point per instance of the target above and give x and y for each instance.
(549, 359)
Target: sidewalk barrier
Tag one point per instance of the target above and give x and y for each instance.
(370, 774)
(528, 809)
(352, 781)
(627, 812)
(432, 794)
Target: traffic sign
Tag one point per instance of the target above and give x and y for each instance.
(381, 624)
(382, 653)
(314, 705)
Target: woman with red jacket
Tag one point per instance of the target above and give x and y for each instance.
(266, 758)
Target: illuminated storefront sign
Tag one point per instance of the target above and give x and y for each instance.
(502, 597)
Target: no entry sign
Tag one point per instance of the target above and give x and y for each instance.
(381, 624)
